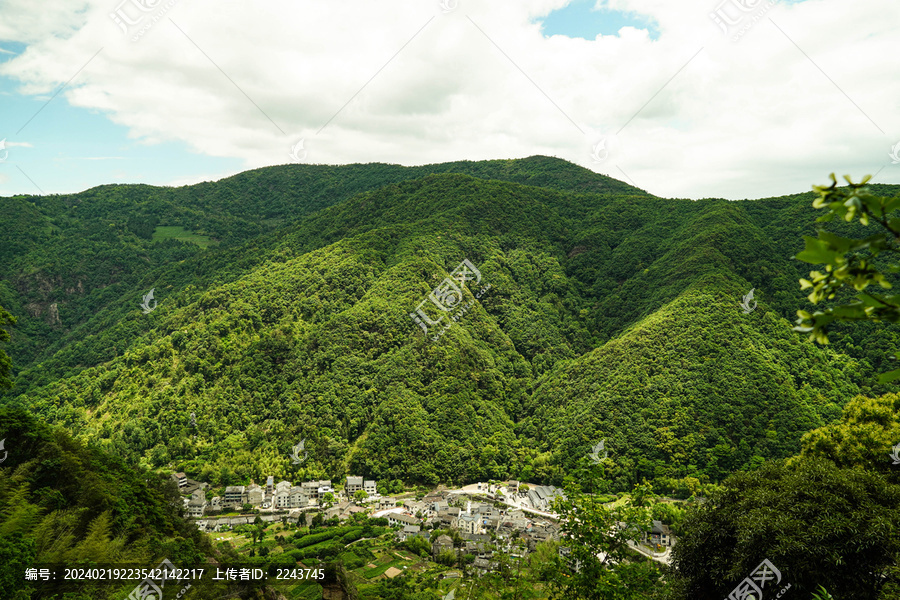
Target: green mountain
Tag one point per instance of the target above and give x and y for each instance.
(64, 259)
(611, 314)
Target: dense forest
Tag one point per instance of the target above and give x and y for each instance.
(284, 309)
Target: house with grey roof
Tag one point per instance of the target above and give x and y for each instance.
(448, 517)
(196, 507)
(353, 485)
(467, 523)
(658, 534)
(255, 495)
(441, 544)
(401, 519)
(407, 532)
(298, 499)
(235, 494)
(484, 564)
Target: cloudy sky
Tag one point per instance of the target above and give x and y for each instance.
(697, 98)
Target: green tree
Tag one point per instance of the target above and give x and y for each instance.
(668, 513)
(817, 523)
(16, 555)
(360, 495)
(863, 438)
(851, 263)
(5, 362)
(642, 495)
(418, 545)
(598, 564)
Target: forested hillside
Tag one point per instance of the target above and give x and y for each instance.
(64, 503)
(66, 258)
(612, 314)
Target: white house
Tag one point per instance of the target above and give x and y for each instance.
(255, 495)
(196, 507)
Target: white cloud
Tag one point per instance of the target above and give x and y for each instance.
(741, 119)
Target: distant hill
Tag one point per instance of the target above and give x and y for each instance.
(63, 258)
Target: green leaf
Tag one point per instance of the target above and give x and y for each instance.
(837, 242)
(817, 252)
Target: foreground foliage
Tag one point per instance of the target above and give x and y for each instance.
(819, 524)
(598, 564)
(852, 263)
(62, 502)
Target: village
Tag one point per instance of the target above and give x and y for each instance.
(484, 517)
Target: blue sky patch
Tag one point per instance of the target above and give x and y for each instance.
(579, 19)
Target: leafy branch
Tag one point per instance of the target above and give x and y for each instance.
(847, 265)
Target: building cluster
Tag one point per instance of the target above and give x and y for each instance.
(283, 495)
(541, 497)
(483, 527)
